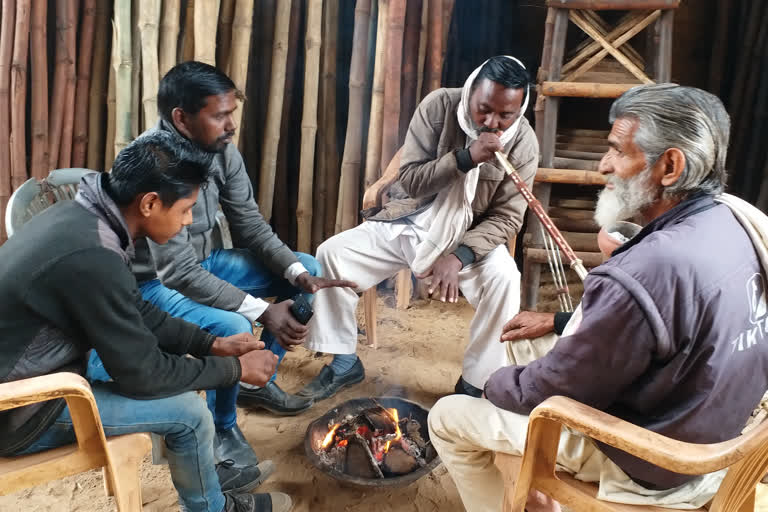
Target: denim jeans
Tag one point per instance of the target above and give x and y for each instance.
(240, 268)
(185, 423)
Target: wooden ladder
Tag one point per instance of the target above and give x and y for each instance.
(604, 65)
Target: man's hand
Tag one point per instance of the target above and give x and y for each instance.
(312, 284)
(236, 345)
(279, 320)
(483, 149)
(445, 277)
(257, 367)
(528, 325)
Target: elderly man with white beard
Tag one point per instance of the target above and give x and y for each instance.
(659, 338)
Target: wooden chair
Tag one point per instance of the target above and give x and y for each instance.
(746, 457)
(374, 197)
(119, 456)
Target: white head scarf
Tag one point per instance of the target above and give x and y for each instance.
(465, 120)
(451, 211)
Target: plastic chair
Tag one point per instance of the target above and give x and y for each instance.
(119, 456)
(746, 457)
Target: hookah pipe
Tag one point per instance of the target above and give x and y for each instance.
(576, 264)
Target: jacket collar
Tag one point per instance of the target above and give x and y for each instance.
(691, 206)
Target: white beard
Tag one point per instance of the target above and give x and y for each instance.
(626, 200)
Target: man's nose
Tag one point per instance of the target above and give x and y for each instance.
(491, 122)
(231, 125)
(604, 167)
(187, 218)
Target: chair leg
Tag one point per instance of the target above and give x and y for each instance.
(749, 503)
(403, 289)
(127, 453)
(369, 305)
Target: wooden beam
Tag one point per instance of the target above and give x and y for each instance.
(614, 5)
(584, 89)
(590, 259)
(573, 177)
(590, 46)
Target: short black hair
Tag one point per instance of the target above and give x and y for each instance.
(157, 162)
(506, 72)
(187, 85)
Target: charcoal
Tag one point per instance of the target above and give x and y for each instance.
(360, 461)
(397, 462)
(380, 419)
(413, 430)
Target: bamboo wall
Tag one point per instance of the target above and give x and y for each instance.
(330, 84)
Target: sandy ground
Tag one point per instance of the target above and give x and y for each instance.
(419, 357)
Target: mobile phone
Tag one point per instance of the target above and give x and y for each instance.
(301, 309)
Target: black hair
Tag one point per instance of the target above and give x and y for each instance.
(157, 162)
(187, 85)
(506, 72)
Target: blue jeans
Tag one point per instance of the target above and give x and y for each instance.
(239, 268)
(185, 423)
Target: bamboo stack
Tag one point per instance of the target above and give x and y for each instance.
(6, 51)
(80, 140)
(376, 121)
(149, 18)
(309, 124)
(39, 100)
(19, 93)
(240, 46)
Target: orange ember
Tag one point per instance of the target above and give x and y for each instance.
(343, 442)
(329, 437)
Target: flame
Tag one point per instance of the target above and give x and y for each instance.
(398, 434)
(329, 436)
(343, 443)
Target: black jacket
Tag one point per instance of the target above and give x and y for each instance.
(67, 287)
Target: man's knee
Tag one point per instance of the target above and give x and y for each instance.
(439, 416)
(230, 323)
(192, 414)
(311, 264)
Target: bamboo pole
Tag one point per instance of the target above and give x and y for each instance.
(64, 24)
(274, 109)
(584, 89)
(109, 140)
(287, 160)
(239, 53)
(135, 70)
(349, 186)
(67, 125)
(121, 63)
(309, 125)
(98, 88)
(80, 137)
(327, 191)
(205, 19)
(38, 125)
(411, 41)
(390, 139)
(19, 94)
(186, 47)
(422, 62)
(224, 34)
(433, 67)
(169, 36)
(375, 123)
(448, 6)
(149, 16)
(6, 50)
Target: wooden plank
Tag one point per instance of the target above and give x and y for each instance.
(578, 204)
(604, 29)
(614, 5)
(583, 155)
(576, 225)
(584, 89)
(600, 141)
(570, 213)
(585, 133)
(575, 163)
(664, 49)
(590, 259)
(589, 47)
(586, 242)
(569, 176)
(583, 24)
(590, 148)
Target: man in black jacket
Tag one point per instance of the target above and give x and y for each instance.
(68, 288)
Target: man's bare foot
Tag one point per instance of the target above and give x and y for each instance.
(540, 502)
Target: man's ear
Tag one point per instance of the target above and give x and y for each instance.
(180, 119)
(149, 203)
(672, 165)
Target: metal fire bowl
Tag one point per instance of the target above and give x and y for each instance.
(317, 430)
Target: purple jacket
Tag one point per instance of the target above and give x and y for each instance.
(673, 339)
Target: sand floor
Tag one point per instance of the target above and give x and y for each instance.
(419, 358)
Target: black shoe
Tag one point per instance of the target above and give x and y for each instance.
(327, 383)
(465, 388)
(233, 478)
(274, 399)
(231, 444)
(272, 502)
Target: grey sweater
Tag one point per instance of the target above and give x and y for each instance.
(178, 261)
(673, 337)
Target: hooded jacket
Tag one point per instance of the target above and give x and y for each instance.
(67, 288)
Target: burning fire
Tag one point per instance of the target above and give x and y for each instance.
(329, 437)
(398, 434)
